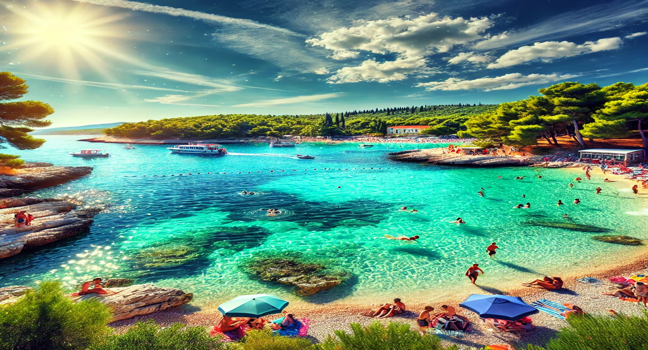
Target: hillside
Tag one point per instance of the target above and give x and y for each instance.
(92, 129)
(443, 119)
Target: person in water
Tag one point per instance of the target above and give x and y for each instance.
(527, 206)
(519, 206)
(403, 209)
(576, 201)
(414, 211)
(459, 221)
(571, 185)
(560, 202)
(402, 238)
(473, 273)
(598, 190)
(424, 320)
(244, 192)
(491, 249)
(480, 193)
(607, 180)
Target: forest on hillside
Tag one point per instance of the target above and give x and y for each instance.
(443, 119)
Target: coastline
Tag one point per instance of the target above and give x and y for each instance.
(337, 315)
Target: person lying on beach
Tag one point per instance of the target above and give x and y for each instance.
(547, 283)
(607, 180)
(641, 292)
(227, 323)
(627, 292)
(473, 273)
(402, 238)
(389, 310)
(573, 310)
(424, 319)
(459, 221)
(257, 323)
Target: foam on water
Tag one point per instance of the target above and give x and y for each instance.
(337, 207)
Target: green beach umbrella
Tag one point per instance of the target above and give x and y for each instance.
(256, 305)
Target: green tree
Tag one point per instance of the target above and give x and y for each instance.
(47, 319)
(17, 118)
(577, 101)
(601, 333)
(150, 336)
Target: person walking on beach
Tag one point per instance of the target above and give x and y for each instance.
(491, 249)
(473, 273)
(635, 189)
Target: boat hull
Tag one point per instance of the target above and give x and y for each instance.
(90, 155)
(204, 153)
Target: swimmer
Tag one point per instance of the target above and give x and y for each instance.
(579, 179)
(527, 206)
(524, 196)
(251, 193)
(402, 238)
(491, 249)
(539, 176)
(560, 202)
(576, 201)
(403, 209)
(244, 192)
(571, 185)
(414, 211)
(459, 221)
(480, 193)
(519, 206)
(598, 190)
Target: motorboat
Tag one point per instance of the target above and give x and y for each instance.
(128, 146)
(301, 156)
(282, 144)
(211, 149)
(90, 153)
(364, 145)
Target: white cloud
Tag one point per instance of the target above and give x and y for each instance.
(607, 16)
(290, 100)
(321, 71)
(177, 12)
(471, 57)
(409, 38)
(550, 50)
(623, 73)
(371, 70)
(634, 35)
(103, 85)
(504, 82)
(180, 100)
(340, 55)
(216, 85)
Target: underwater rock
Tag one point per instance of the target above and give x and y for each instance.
(625, 240)
(140, 299)
(568, 226)
(291, 269)
(165, 255)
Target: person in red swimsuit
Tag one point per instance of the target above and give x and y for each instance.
(473, 273)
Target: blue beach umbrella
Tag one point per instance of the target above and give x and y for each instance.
(256, 305)
(501, 307)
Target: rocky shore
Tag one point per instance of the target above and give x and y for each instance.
(114, 139)
(35, 176)
(54, 220)
(437, 156)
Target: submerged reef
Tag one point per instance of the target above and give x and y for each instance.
(625, 240)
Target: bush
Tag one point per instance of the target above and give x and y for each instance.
(601, 333)
(11, 161)
(378, 337)
(150, 336)
(47, 319)
(264, 340)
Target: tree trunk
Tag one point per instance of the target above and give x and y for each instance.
(643, 136)
(546, 138)
(577, 134)
(553, 135)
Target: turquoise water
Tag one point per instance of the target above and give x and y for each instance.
(335, 208)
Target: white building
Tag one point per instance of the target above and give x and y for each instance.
(406, 129)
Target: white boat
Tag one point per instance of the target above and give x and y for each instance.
(128, 146)
(282, 144)
(211, 149)
(91, 153)
(364, 145)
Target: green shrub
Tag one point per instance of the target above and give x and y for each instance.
(264, 340)
(601, 333)
(378, 337)
(484, 143)
(14, 163)
(150, 336)
(47, 319)
(8, 156)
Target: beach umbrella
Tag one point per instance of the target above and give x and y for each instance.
(501, 307)
(256, 305)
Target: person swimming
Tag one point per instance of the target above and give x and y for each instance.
(527, 206)
(576, 201)
(571, 185)
(459, 221)
(244, 192)
(560, 202)
(519, 206)
(598, 190)
(480, 193)
(403, 209)
(402, 238)
(251, 193)
(273, 212)
(414, 211)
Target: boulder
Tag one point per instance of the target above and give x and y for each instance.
(33, 178)
(9, 295)
(140, 299)
(625, 240)
(54, 220)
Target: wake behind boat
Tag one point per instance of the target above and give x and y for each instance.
(211, 149)
(91, 153)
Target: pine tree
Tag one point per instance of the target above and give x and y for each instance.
(17, 118)
(337, 120)
(343, 122)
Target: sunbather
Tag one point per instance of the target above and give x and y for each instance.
(96, 288)
(389, 310)
(424, 319)
(547, 283)
(641, 292)
(227, 323)
(627, 292)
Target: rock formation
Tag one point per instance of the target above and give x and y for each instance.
(436, 156)
(54, 220)
(36, 176)
(9, 295)
(140, 299)
(625, 240)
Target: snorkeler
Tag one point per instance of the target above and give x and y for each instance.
(560, 202)
(576, 201)
(459, 221)
(527, 206)
(519, 206)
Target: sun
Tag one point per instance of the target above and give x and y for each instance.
(71, 37)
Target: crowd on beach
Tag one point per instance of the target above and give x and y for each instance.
(387, 140)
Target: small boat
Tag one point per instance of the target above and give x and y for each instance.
(300, 156)
(211, 149)
(364, 145)
(91, 153)
(128, 146)
(282, 144)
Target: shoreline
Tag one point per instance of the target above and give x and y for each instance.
(337, 315)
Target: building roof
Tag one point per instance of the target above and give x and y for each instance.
(410, 127)
(610, 150)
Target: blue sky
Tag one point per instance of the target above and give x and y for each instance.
(99, 61)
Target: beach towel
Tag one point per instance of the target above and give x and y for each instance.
(551, 307)
(590, 280)
(445, 333)
(297, 329)
(230, 336)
